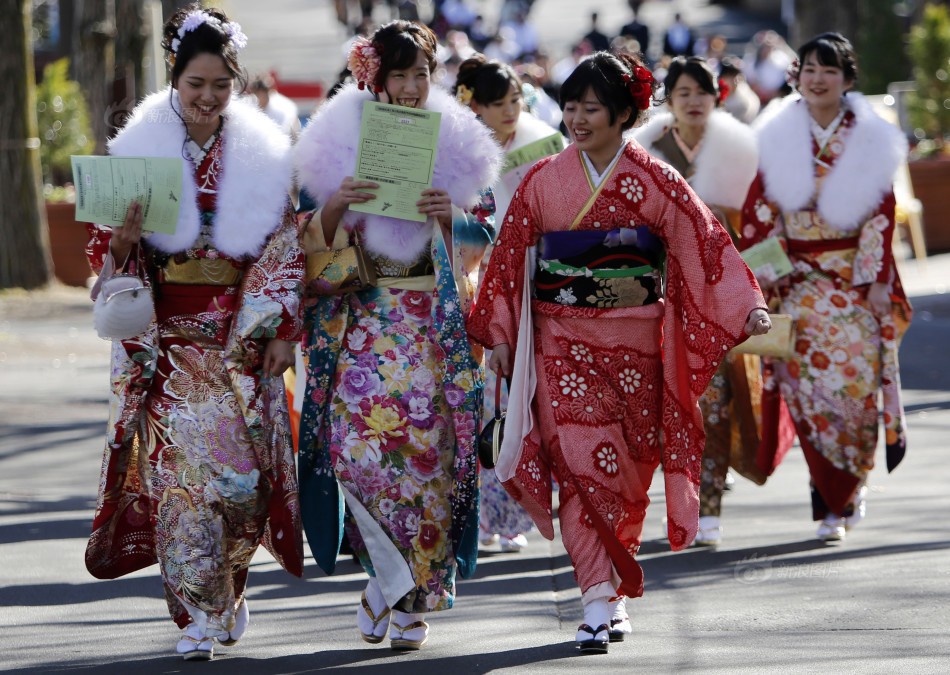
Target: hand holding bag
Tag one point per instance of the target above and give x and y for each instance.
(778, 342)
(338, 271)
(489, 440)
(123, 303)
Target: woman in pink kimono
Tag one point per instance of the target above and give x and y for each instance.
(198, 467)
(824, 187)
(605, 255)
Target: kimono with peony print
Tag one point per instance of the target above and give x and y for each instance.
(198, 465)
(617, 388)
(845, 357)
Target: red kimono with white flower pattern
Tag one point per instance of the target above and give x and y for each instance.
(617, 388)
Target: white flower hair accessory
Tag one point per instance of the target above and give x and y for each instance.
(194, 20)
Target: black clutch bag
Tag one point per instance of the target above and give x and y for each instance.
(489, 440)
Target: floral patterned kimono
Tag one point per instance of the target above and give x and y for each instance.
(606, 378)
(198, 467)
(827, 195)
(394, 390)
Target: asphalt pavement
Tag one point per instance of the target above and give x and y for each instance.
(770, 599)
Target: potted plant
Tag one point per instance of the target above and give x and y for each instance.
(64, 130)
(930, 117)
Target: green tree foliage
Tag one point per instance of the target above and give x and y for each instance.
(930, 52)
(63, 118)
(880, 45)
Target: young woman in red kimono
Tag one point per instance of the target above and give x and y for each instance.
(611, 297)
(825, 189)
(198, 467)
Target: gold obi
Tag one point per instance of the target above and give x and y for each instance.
(213, 272)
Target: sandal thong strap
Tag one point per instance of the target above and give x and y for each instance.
(197, 641)
(372, 615)
(412, 626)
(593, 632)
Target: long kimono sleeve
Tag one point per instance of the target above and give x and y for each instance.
(760, 217)
(874, 259)
(495, 316)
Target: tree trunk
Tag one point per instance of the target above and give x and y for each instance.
(24, 253)
(130, 39)
(94, 64)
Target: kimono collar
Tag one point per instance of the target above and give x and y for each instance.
(597, 178)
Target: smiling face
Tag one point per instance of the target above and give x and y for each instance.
(690, 103)
(501, 116)
(408, 86)
(822, 86)
(588, 122)
(204, 87)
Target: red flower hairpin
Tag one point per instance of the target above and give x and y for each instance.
(640, 84)
(724, 90)
(792, 73)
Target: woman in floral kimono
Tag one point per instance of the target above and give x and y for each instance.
(198, 466)
(393, 387)
(494, 92)
(606, 254)
(824, 187)
(718, 157)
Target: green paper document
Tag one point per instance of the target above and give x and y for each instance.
(105, 186)
(767, 260)
(397, 151)
(532, 152)
(519, 162)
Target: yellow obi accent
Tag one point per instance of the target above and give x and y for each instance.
(215, 272)
(425, 283)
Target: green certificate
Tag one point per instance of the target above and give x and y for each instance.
(532, 152)
(105, 186)
(397, 151)
(767, 260)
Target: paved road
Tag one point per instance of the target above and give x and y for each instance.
(771, 599)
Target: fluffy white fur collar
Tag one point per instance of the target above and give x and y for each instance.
(467, 161)
(859, 180)
(255, 178)
(727, 161)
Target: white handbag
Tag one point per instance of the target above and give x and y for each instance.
(124, 306)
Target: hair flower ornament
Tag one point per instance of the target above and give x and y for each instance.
(463, 94)
(195, 20)
(724, 90)
(640, 83)
(364, 62)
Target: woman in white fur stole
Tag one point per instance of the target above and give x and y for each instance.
(494, 92)
(825, 189)
(718, 157)
(394, 390)
(198, 466)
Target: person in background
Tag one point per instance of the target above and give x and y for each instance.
(825, 190)
(718, 157)
(637, 30)
(599, 42)
(741, 102)
(611, 296)
(275, 105)
(393, 400)
(495, 93)
(198, 468)
(678, 39)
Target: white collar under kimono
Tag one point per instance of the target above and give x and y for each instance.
(598, 178)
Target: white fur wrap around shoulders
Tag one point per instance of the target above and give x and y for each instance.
(255, 179)
(727, 161)
(861, 177)
(467, 161)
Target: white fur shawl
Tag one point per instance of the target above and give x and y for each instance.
(859, 180)
(727, 160)
(467, 161)
(255, 176)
